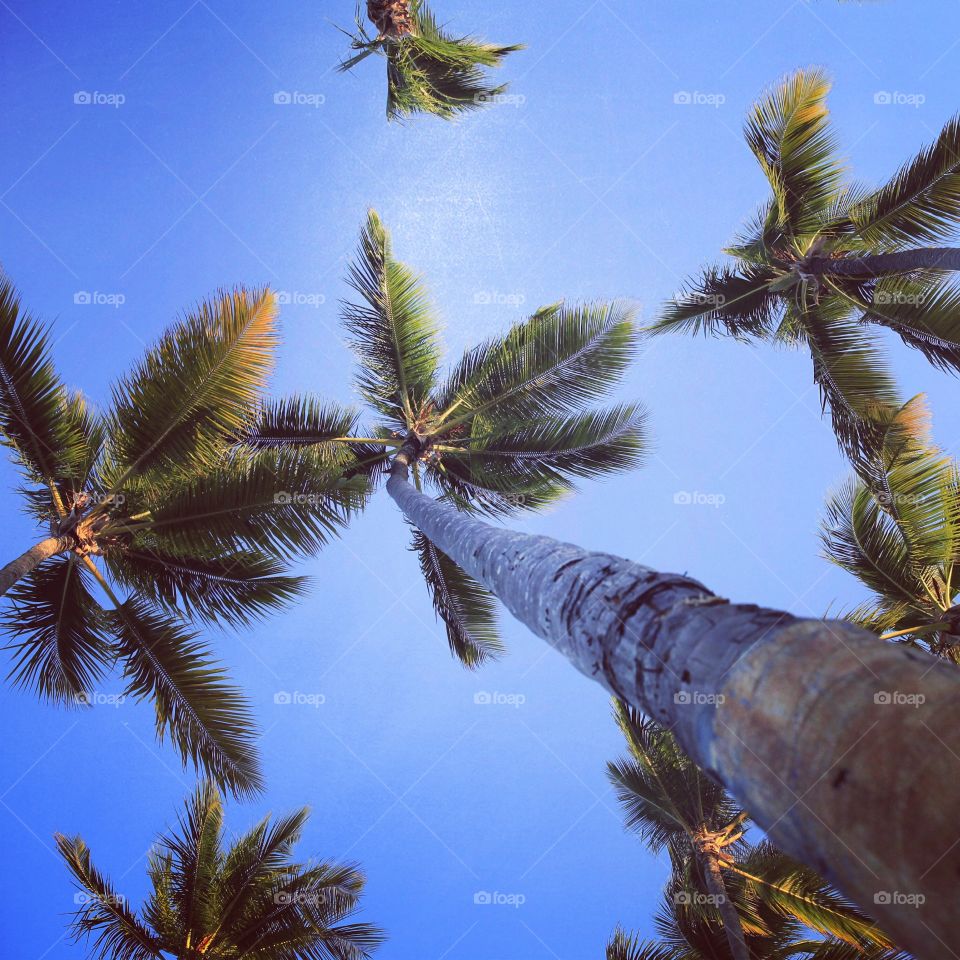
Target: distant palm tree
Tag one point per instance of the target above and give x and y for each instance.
(428, 70)
(823, 259)
(181, 528)
(507, 430)
(896, 528)
(751, 895)
(751, 693)
(248, 899)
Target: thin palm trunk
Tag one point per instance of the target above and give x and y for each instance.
(31, 559)
(732, 927)
(804, 721)
(883, 264)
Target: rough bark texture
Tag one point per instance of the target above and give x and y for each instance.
(881, 264)
(31, 559)
(392, 18)
(816, 727)
(732, 926)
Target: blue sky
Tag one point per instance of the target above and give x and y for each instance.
(597, 184)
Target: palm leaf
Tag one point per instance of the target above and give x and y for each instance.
(198, 386)
(789, 134)
(208, 720)
(921, 203)
(724, 301)
(467, 609)
(105, 916)
(393, 331)
(623, 946)
(61, 650)
(237, 588)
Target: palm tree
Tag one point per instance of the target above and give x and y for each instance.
(507, 430)
(896, 528)
(248, 899)
(144, 501)
(780, 710)
(824, 259)
(428, 70)
(752, 893)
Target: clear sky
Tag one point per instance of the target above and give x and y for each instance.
(598, 184)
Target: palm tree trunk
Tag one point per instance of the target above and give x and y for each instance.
(816, 727)
(32, 559)
(392, 18)
(882, 264)
(732, 927)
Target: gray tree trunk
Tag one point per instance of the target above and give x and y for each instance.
(732, 926)
(845, 749)
(882, 264)
(31, 559)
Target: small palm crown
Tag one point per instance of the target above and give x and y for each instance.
(675, 807)
(153, 501)
(507, 429)
(428, 70)
(248, 899)
(823, 258)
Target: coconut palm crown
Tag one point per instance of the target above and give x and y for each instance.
(896, 528)
(213, 900)
(147, 521)
(508, 428)
(826, 259)
(726, 897)
(428, 69)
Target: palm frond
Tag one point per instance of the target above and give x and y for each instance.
(789, 134)
(431, 71)
(299, 420)
(623, 946)
(38, 420)
(467, 609)
(393, 332)
(61, 650)
(104, 917)
(724, 301)
(279, 502)
(560, 359)
(236, 588)
(208, 719)
(196, 388)
(921, 203)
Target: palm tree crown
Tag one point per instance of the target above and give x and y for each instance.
(896, 527)
(824, 259)
(148, 501)
(507, 429)
(428, 69)
(209, 899)
(726, 897)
